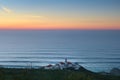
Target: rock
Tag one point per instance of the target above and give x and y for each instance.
(104, 73)
(115, 71)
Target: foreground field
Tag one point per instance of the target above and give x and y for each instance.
(40, 74)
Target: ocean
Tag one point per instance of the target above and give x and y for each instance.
(96, 50)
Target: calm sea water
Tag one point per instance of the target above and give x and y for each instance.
(95, 50)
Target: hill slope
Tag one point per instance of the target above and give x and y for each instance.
(41, 74)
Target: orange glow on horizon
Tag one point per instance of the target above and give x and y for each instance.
(23, 27)
(19, 21)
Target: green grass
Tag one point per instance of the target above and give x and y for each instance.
(40, 74)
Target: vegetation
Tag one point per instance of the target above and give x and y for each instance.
(41, 74)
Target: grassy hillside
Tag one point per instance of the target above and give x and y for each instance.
(40, 74)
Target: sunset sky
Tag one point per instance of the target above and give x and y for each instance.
(59, 14)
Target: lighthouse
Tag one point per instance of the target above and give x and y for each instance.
(66, 65)
(65, 60)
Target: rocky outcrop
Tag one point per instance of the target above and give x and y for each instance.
(115, 71)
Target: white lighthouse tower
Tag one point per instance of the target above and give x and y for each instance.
(65, 60)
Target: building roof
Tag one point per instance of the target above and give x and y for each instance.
(49, 65)
(69, 63)
(62, 63)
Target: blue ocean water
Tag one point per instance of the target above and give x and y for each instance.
(96, 50)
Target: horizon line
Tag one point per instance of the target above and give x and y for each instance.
(58, 29)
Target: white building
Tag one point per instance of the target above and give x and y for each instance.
(63, 65)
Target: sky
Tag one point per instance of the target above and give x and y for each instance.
(59, 14)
